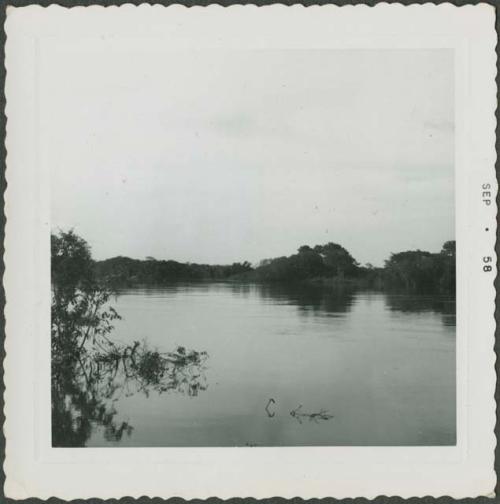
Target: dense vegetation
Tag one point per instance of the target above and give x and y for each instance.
(89, 368)
(122, 271)
(412, 270)
(419, 271)
(330, 260)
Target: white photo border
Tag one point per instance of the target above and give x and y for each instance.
(34, 469)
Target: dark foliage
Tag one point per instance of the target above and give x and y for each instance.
(80, 318)
(419, 271)
(90, 370)
(123, 271)
(321, 261)
(414, 271)
(83, 395)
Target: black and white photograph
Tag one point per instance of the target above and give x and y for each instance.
(253, 248)
(249, 241)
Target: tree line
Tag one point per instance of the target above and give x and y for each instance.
(124, 271)
(412, 270)
(421, 271)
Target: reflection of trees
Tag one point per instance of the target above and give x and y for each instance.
(418, 304)
(77, 406)
(83, 395)
(242, 289)
(445, 306)
(339, 299)
(309, 297)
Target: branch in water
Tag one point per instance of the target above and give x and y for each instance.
(315, 417)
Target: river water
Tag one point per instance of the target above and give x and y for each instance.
(341, 367)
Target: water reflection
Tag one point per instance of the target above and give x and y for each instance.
(418, 304)
(84, 392)
(339, 300)
(446, 306)
(392, 356)
(309, 298)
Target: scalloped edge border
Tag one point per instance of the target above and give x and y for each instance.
(381, 499)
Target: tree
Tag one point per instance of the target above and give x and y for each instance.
(337, 259)
(71, 265)
(423, 271)
(449, 248)
(308, 263)
(305, 249)
(322, 260)
(89, 369)
(447, 280)
(79, 311)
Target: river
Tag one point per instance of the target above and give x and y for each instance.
(290, 366)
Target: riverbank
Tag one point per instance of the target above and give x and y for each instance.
(412, 271)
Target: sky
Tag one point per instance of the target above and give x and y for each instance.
(220, 156)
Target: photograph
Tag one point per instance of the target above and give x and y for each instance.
(250, 252)
(251, 247)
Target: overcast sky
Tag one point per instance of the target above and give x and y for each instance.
(216, 157)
